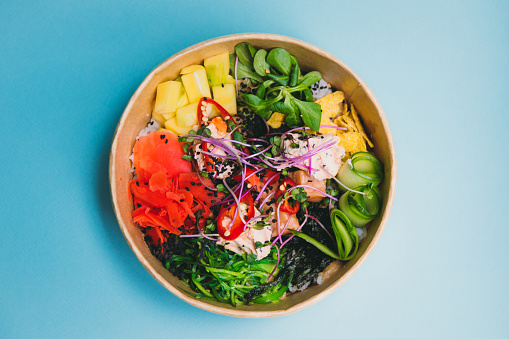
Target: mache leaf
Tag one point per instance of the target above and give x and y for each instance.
(280, 59)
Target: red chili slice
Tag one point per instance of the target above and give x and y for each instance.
(236, 229)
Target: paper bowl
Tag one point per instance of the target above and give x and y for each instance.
(137, 115)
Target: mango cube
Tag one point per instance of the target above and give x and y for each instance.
(167, 96)
(225, 96)
(191, 69)
(218, 68)
(178, 130)
(158, 117)
(187, 115)
(196, 85)
(230, 80)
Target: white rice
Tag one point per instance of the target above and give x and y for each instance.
(320, 89)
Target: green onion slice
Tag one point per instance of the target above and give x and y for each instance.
(346, 235)
(361, 168)
(361, 208)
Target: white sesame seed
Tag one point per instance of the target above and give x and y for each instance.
(227, 233)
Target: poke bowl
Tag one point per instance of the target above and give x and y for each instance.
(141, 112)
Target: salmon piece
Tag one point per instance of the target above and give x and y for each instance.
(221, 125)
(293, 224)
(302, 178)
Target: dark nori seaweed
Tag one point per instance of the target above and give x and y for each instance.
(305, 259)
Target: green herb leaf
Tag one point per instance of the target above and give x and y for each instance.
(280, 59)
(310, 78)
(280, 107)
(243, 71)
(260, 65)
(308, 95)
(260, 92)
(310, 112)
(246, 53)
(280, 79)
(238, 136)
(294, 75)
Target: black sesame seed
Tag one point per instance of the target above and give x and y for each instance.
(181, 200)
(162, 136)
(212, 201)
(146, 183)
(199, 184)
(209, 194)
(139, 205)
(137, 183)
(187, 188)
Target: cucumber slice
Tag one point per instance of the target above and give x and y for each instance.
(361, 168)
(361, 208)
(346, 235)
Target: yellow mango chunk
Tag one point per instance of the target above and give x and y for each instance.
(224, 94)
(158, 117)
(187, 115)
(191, 69)
(178, 130)
(182, 100)
(168, 116)
(230, 80)
(218, 68)
(196, 85)
(167, 96)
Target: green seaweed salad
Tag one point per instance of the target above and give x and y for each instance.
(261, 165)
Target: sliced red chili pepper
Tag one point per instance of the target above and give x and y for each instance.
(224, 112)
(237, 227)
(289, 205)
(209, 164)
(284, 186)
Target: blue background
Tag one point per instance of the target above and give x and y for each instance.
(438, 68)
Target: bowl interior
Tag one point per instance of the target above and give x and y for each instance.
(137, 115)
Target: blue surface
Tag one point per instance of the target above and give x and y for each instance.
(439, 70)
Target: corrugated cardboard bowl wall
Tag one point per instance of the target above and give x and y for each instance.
(137, 115)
